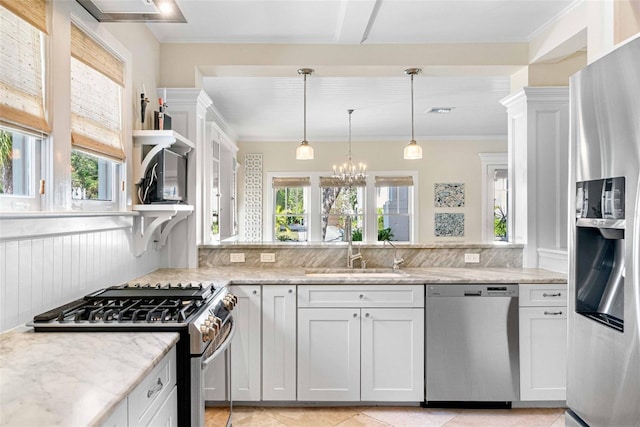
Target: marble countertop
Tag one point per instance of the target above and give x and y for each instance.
(72, 379)
(284, 276)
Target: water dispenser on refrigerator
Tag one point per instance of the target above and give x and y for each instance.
(600, 251)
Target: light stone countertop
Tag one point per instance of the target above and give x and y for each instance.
(72, 379)
(77, 379)
(223, 276)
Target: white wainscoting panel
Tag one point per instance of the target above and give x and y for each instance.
(38, 274)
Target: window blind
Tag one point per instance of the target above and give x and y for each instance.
(394, 181)
(330, 181)
(21, 73)
(302, 181)
(95, 98)
(32, 11)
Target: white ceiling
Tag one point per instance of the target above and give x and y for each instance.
(259, 108)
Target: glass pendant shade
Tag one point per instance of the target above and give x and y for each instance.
(412, 151)
(304, 151)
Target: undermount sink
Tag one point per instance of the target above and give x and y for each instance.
(346, 273)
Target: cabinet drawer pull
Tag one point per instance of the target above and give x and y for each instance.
(155, 389)
(552, 313)
(546, 295)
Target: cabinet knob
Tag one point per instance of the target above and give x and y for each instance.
(290, 291)
(355, 314)
(361, 296)
(367, 315)
(255, 292)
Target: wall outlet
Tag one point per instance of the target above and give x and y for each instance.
(239, 257)
(472, 258)
(268, 257)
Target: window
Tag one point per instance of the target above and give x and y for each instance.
(500, 204)
(23, 124)
(92, 177)
(97, 78)
(393, 207)
(316, 208)
(342, 211)
(495, 188)
(290, 212)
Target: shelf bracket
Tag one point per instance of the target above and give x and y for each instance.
(163, 221)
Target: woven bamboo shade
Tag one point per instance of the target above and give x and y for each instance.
(330, 181)
(32, 11)
(301, 181)
(90, 52)
(21, 73)
(394, 181)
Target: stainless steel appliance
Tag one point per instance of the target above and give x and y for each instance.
(603, 372)
(200, 313)
(472, 343)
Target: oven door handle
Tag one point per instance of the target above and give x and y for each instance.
(222, 346)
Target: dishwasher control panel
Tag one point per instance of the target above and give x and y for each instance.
(473, 290)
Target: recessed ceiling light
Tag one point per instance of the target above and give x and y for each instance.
(165, 8)
(439, 110)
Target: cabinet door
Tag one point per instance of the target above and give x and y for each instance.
(543, 353)
(279, 342)
(329, 354)
(167, 415)
(392, 354)
(245, 347)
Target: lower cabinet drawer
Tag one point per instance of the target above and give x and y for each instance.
(334, 296)
(147, 398)
(543, 295)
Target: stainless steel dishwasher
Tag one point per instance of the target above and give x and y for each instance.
(472, 343)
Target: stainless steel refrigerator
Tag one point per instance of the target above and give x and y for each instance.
(603, 372)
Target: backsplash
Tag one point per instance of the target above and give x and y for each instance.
(376, 256)
(39, 274)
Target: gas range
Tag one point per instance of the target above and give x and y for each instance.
(200, 313)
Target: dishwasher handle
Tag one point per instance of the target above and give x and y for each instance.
(472, 293)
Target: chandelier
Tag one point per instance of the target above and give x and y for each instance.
(350, 175)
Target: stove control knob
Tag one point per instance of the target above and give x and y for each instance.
(230, 301)
(211, 318)
(204, 329)
(212, 334)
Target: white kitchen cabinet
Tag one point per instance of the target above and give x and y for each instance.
(392, 354)
(372, 351)
(543, 342)
(329, 354)
(154, 401)
(245, 347)
(279, 342)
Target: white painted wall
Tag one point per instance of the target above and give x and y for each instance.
(44, 265)
(443, 161)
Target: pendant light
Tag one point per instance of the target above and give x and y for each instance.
(349, 175)
(412, 151)
(304, 150)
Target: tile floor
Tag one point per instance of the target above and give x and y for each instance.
(387, 416)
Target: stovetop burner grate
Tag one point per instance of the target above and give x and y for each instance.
(135, 303)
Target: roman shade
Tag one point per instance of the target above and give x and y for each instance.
(22, 31)
(394, 181)
(97, 78)
(301, 181)
(330, 181)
